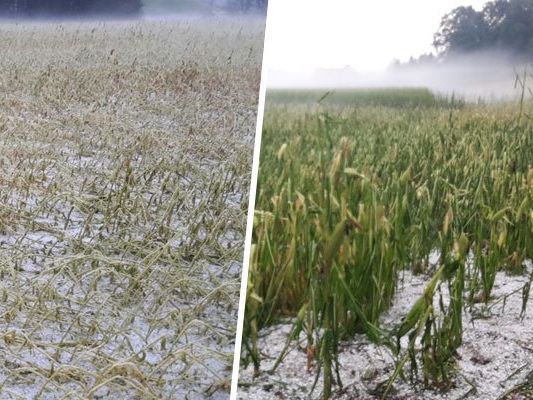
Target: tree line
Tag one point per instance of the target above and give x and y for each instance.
(502, 28)
(37, 8)
(248, 5)
(505, 25)
(30, 8)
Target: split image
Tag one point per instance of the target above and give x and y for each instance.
(348, 217)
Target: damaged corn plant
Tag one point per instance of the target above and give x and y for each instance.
(349, 197)
(125, 158)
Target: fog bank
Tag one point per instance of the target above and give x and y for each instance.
(488, 75)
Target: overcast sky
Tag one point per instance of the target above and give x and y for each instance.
(367, 35)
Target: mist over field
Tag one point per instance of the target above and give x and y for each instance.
(170, 9)
(489, 75)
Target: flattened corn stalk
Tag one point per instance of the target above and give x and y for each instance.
(347, 199)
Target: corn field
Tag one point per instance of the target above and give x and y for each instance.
(354, 196)
(125, 158)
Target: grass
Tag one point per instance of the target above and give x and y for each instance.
(125, 158)
(350, 194)
(385, 97)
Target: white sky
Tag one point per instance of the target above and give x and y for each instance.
(365, 34)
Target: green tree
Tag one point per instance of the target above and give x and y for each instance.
(501, 25)
(510, 24)
(462, 30)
